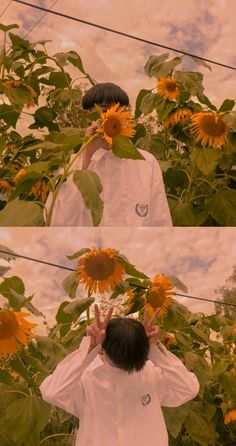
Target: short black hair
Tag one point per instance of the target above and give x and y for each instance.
(126, 344)
(104, 94)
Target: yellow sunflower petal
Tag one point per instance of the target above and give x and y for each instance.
(230, 416)
(116, 122)
(14, 331)
(168, 88)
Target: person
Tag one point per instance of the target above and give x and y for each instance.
(133, 190)
(117, 381)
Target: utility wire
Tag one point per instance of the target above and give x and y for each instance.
(72, 269)
(130, 36)
(38, 21)
(5, 9)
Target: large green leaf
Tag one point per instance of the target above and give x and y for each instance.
(5, 377)
(9, 287)
(199, 429)
(230, 120)
(9, 115)
(78, 306)
(139, 100)
(148, 103)
(122, 147)
(78, 254)
(182, 213)
(18, 96)
(129, 268)
(175, 417)
(26, 418)
(21, 213)
(90, 186)
(222, 207)
(70, 284)
(191, 81)
(6, 28)
(206, 159)
(227, 105)
(200, 367)
(158, 67)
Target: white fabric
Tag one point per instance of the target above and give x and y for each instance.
(114, 407)
(133, 193)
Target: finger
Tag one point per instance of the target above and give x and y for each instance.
(97, 316)
(152, 320)
(146, 315)
(108, 316)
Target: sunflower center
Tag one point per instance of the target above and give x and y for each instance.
(170, 86)
(157, 297)
(8, 324)
(112, 126)
(100, 267)
(213, 126)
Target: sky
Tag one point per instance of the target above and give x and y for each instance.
(203, 258)
(204, 27)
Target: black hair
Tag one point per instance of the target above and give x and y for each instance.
(104, 94)
(126, 344)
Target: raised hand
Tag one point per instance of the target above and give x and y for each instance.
(97, 330)
(153, 331)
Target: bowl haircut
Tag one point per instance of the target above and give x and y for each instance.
(104, 94)
(126, 344)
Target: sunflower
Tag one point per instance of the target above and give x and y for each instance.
(15, 331)
(210, 129)
(100, 270)
(234, 329)
(160, 295)
(116, 122)
(230, 416)
(168, 88)
(5, 186)
(40, 190)
(181, 114)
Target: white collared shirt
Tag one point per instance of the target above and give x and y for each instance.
(114, 407)
(133, 193)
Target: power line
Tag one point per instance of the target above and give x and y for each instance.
(72, 269)
(38, 21)
(130, 36)
(6, 8)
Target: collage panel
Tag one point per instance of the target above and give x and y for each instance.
(117, 223)
(63, 357)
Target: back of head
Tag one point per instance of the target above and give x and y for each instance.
(104, 94)
(126, 344)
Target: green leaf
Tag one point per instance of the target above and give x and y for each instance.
(122, 147)
(129, 268)
(156, 65)
(21, 213)
(9, 115)
(50, 348)
(18, 96)
(45, 117)
(5, 377)
(90, 186)
(6, 28)
(182, 213)
(199, 429)
(11, 285)
(204, 100)
(18, 366)
(65, 96)
(70, 284)
(26, 418)
(78, 254)
(139, 100)
(230, 120)
(200, 367)
(191, 81)
(63, 319)
(75, 59)
(178, 284)
(18, 42)
(227, 105)
(4, 269)
(120, 288)
(58, 79)
(8, 254)
(175, 417)
(148, 103)
(206, 159)
(201, 62)
(222, 207)
(78, 306)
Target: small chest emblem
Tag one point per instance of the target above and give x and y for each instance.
(146, 399)
(141, 209)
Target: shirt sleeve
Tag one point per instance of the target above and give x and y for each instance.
(159, 209)
(64, 388)
(175, 384)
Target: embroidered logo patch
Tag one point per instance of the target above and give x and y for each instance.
(146, 399)
(141, 209)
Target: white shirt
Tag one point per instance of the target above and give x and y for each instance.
(133, 193)
(114, 407)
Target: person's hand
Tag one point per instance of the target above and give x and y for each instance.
(92, 128)
(97, 143)
(97, 330)
(153, 331)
